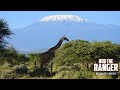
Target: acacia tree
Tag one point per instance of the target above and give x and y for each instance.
(4, 33)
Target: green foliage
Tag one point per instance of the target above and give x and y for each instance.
(21, 69)
(4, 33)
(80, 51)
(74, 75)
(11, 56)
(105, 50)
(34, 57)
(74, 60)
(7, 72)
(37, 72)
(8, 75)
(6, 65)
(64, 68)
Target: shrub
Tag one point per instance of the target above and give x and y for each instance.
(79, 51)
(8, 74)
(73, 75)
(21, 69)
(37, 72)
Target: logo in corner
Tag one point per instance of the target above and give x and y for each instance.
(106, 66)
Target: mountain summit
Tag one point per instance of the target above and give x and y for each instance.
(54, 18)
(47, 32)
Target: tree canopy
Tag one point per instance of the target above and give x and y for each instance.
(4, 33)
(80, 51)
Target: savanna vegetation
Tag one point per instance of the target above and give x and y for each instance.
(73, 60)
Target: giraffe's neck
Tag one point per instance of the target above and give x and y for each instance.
(57, 45)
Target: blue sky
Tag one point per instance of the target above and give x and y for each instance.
(19, 19)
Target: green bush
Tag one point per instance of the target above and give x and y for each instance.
(79, 51)
(64, 68)
(21, 69)
(73, 75)
(74, 60)
(37, 72)
(8, 74)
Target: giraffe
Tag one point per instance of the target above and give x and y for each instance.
(50, 54)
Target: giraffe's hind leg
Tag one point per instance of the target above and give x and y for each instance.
(51, 66)
(35, 64)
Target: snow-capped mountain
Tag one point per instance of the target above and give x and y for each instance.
(47, 31)
(56, 18)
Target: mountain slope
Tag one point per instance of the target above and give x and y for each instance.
(46, 32)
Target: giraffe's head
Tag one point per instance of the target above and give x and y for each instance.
(64, 38)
